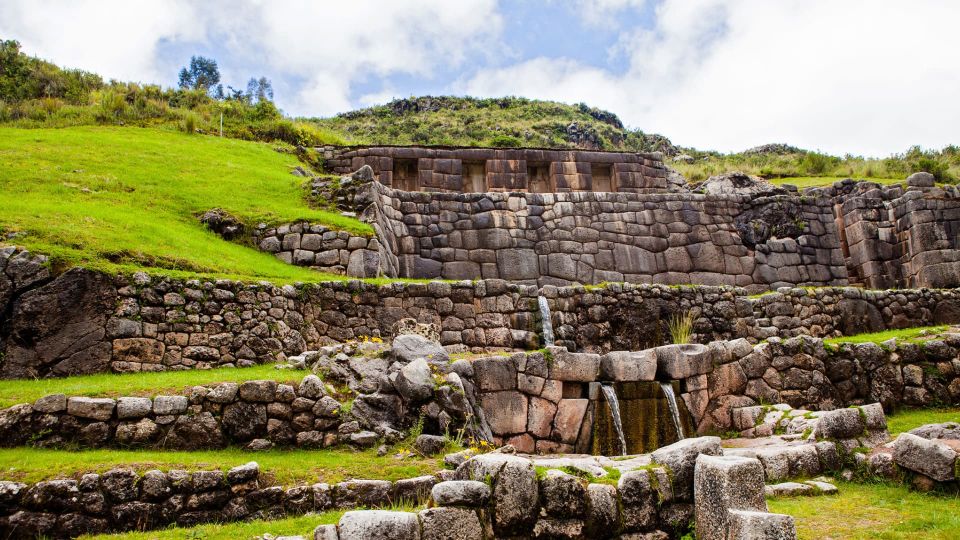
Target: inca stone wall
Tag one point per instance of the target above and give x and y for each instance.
(320, 248)
(84, 321)
(897, 238)
(564, 238)
(503, 169)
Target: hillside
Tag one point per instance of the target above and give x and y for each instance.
(129, 198)
(503, 122)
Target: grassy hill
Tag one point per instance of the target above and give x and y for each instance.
(499, 122)
(129, 198)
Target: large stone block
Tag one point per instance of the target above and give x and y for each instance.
(681, 458)
(568, 366)
(93, 408)
(451, 524)
(931, 458)
(628, 366)
(495, 373)
(840, 424)
(518, 264)
(682, 361)
(379, 525)
(723, 483)
(569, 419)
(506, 412)
(751, 525)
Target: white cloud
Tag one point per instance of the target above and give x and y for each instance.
(603, 13)
(865, 76)
(116, 38)
(331, 46)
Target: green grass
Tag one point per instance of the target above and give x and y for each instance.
(244, 530)
(122, 199)
(285, 467)
(822, 181)
(907, 419)
(14, 391)
(903, 334)
(873, 511)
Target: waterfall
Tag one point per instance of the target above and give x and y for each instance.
(674, 410)
(545, 321)
(610, 394)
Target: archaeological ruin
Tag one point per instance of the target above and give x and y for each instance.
(540, 321)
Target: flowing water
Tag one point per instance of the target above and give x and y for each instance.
(610, 394)
(674, 410)
(545, 321)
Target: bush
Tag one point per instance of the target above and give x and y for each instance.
(505, 141)
(189, 124)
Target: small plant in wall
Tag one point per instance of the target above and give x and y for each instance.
(681, 327)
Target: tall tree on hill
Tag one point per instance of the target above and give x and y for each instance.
(260, 89)
(203, 74)
(14, 71)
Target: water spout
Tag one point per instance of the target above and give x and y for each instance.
(610, 394)
(545, 321)
(674, 410)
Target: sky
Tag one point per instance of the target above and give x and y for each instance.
(867, 77)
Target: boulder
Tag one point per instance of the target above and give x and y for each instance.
(416, 490)
(195, 432)
(681, 458)
(921, 179)
(415, 381)
(840, 424)
(461, 493)
(379, 525)
(326, 532)
(753, 525)
(311, 387)
(429, 445)
(516, 496)
(170, 405)
(53, 403)
(738, 183)
(133, 407)
(258, 391)
(409, 347)
(562, 495)
(91, 408)
(723, 483)
(928, 457)
(243, 421)
(450, 524)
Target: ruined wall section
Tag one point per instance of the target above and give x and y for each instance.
(562, 238)
(505, 169)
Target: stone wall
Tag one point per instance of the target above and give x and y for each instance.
(562, 238)
(323, 249)
(899, 238)
(124, 500)
(440, 169)
(84, 321)
(208, 417)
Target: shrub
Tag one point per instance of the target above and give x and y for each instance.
(681, 327)
(505, 141)
(189, 123)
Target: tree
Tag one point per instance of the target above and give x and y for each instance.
(14, 71)
(260, 89)
(203, 74)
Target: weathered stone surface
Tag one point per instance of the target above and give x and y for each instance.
(723, 483)
(409, 347)
(752, 525)
(469, 493)
(506, 412)
(429, 445)
(379, 525)
(415, 381)
(840, 424)
(258, 391)
(169, 405)
(516, 493)
(931, 458)
(52, 403)
(629, 366)
(567, 366)
(562, 495)
(681, 458)
(450, 524)
(195, 432)
(92, 408)
(683, 361)
(133, 407)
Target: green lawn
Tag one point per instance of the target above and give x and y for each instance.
(907, 419)
(904, 334)
(300, 525)
(822, 181)
(14, 391)
(873, 511)
(285, 466)
(128, 198)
